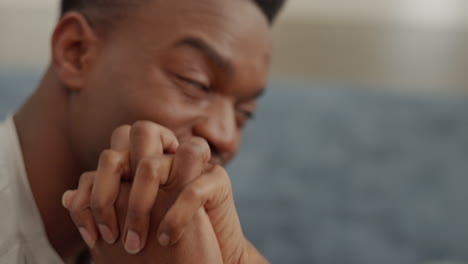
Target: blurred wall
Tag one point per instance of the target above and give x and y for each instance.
(416, 45)
(25, 29)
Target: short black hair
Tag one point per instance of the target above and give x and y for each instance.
(270, 8)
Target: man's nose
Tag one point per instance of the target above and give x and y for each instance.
(220, 129)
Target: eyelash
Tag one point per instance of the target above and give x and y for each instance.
(196, 84)
(247, 114)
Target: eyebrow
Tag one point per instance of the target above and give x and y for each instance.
(219, 60)
(209, 51)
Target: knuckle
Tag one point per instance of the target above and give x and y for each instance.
(75, 209)
(86, 177)
(147, 169)
(146, 165)
(192, 193)
(198, 144)
(99, 206)
(167, 133)
(143, 128)
(108, 158)
(122, 128)
(120, 132)
(196, 148)
(223, 176)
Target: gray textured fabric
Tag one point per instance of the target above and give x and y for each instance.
(345, 176)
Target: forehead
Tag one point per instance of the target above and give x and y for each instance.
(237, 28)
(218, 17)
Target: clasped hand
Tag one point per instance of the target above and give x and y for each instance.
(155, 200)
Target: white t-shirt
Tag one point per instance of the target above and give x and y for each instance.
(22, 235)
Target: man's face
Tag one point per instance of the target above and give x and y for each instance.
(195, 67)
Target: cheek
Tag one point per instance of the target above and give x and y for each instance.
(138, 89)
(156, 98)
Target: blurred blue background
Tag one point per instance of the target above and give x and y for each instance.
(340, 176)
(359, 151)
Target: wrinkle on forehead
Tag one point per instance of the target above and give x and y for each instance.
(223, 15)
(233, 25)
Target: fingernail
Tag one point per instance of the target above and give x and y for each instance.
(164, 240)
(64, 199)
(106, 234)
(87, 237)
(132, 243)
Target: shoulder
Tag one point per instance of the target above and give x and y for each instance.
(6, 153)
(22, 238)
(10, 240)
(9, 237)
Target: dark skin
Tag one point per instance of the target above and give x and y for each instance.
(201, 218)
(195, 68)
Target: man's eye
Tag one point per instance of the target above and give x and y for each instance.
(247, 114)
(243, 117)
(195, 84)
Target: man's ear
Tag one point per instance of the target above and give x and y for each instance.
(74, 49)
